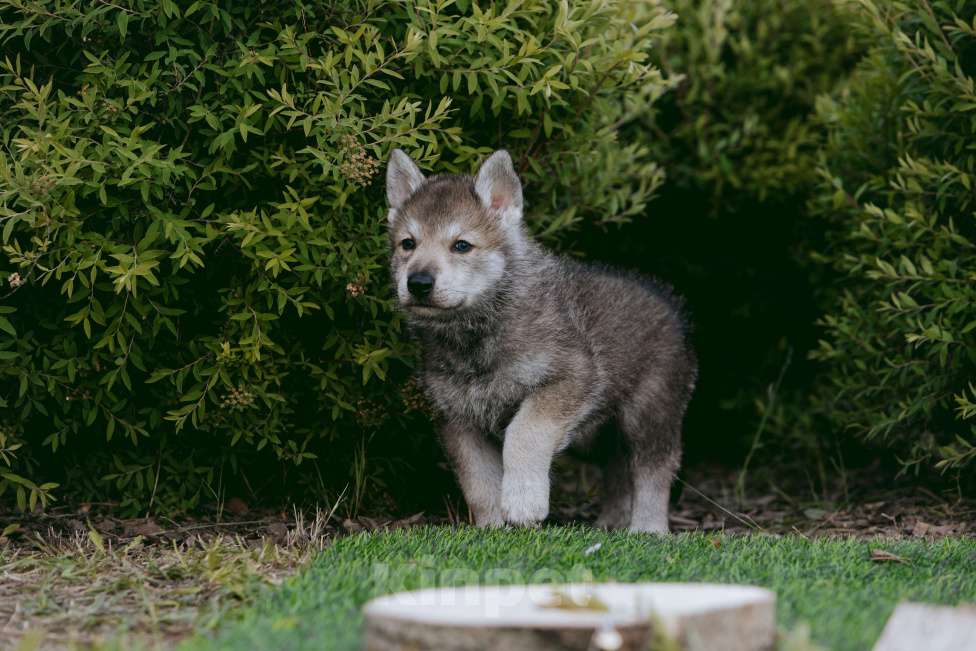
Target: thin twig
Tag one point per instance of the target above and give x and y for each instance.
(743, 518)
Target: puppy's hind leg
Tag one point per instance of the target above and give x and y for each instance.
(618, 492)
(652, 488)
(651, 423)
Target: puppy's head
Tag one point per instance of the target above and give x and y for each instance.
(451, 235)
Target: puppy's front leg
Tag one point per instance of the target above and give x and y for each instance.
(478, 465)
(541, 428)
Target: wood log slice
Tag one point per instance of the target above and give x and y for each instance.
(573, 617)
(915, 626)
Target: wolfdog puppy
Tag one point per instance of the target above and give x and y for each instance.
(526, 354)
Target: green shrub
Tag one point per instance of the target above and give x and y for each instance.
(739, 128)
(899, 343)
(194, 265)
(739, 140)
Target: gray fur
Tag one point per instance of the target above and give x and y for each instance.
(526, 353)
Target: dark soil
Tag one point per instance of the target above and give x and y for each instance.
(704, 498)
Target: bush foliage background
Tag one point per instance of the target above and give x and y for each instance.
(739, 140)
(195, 298)
(897, 190)
(193, 224)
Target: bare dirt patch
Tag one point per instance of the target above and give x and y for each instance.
(864, 511)
(64, 587)
(865, 505)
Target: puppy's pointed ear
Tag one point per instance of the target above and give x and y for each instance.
(499, 187)
(403, 177)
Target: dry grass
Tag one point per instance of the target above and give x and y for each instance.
(85, 589)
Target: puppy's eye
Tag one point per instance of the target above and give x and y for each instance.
(462, 246)
(408, 244)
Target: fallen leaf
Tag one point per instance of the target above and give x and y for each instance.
(682, 521)
(567, 601)
(106, 525)
(237, 506)
(716, 543)
(881, 556)
(140, 527)
(415, 519)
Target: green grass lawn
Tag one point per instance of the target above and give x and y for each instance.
(831, 585)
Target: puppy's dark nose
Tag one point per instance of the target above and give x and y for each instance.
(420, 284)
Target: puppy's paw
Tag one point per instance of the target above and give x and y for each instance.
(648, 525)
(523, 503)
(611, 520)
(488, 516)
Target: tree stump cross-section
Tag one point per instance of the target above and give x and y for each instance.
(573, 617)
(933, 628)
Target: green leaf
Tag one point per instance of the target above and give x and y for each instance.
(122, 22)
